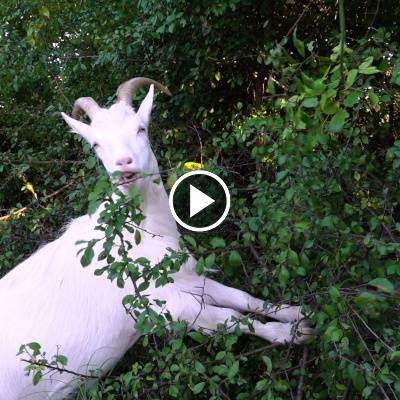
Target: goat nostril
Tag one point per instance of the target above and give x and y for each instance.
(124, 161)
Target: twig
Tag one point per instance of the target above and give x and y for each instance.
(375, 14)
(144, 230)
(372, 359)
(370, 329)
(347, 392)
(259, 350)
(298, 20)
(194, 128)
(23, 209)
(224, 395)
(256, 255)
(60, 370)
(300, 387)
(13, 213)
(342, 40)
(46, 162)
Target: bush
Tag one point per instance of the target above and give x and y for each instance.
(302, 125)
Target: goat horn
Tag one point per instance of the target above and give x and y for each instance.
(86, 104)
(127, 90)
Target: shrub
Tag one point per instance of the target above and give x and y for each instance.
(303, 125)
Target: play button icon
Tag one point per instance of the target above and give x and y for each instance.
(199, 201)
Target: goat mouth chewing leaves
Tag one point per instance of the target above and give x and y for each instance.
(128, 178)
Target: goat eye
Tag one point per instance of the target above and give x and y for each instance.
(96, 146)
(142, 130)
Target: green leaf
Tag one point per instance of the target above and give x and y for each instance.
(191, 240)
(133, 191)
(357, 378)
(283, 276)
(298, 44)
(351, 77)
(234, 259)
(351, 99)
(316, 88)
(172, 178)
(302, 226)
(394, 356)
(120, 282)
(369, 303)
(196, 389)
(333, 333)
(289, 194)
(143, 286)
(330, 107)
(35, 347)
(262, 385)
(138, 236)
(217, 242)
(173, 391)
(128, 299)
(91, 162)
(198, 337)
(366, 393)
(210, 260)
(374, 99)
(367, 62)
(368, 70)
(299, 120)
(61, 359)
(233, 370)
(199, 367)
(37, 377)
(271, 86)
(268, 363)
(395, 79)
(293, 258)
(200, 265)
(301, 271)
(334, 292)
(87, 257)
(338, 120)
(310, 102)
(44, 11)
(382, 284)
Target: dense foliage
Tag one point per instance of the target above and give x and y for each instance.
(302, 124)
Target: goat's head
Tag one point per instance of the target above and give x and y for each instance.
(119, 135)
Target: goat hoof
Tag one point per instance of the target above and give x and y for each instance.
(302, 332)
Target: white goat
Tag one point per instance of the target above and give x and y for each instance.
(52, 300)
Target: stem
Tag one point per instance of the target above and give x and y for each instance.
(300, 387)
(60, 370)
(342, 23)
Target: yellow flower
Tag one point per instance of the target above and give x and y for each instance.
(191, 166)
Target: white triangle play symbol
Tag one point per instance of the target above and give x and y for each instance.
(198, 201)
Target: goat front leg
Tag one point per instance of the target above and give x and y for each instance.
(209, 316)
(217, 294)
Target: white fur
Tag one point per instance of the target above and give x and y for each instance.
(50, 299)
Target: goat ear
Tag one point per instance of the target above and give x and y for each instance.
(79, 127)
(146, 106)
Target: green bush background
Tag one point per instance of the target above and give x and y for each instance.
(302, 125)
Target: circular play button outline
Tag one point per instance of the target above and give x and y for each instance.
(227, 197)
